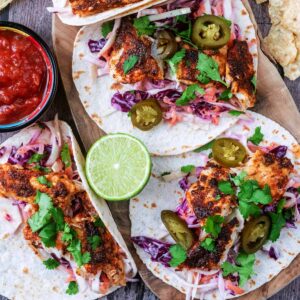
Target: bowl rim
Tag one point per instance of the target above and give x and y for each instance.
(53, 89)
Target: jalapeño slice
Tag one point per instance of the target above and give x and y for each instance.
(178, 229)
(146, 114)
(210, 32)
(255, 234)
(166, 45)
(228, 152)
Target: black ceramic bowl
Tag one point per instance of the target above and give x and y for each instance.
(50, 86)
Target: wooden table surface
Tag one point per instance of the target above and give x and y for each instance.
(33, 13)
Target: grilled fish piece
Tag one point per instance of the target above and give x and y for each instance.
(127, 45)
(202, 195)
(239, 73)
(268, 169)
(85, 8)
(187, 71)
(21, 184)
(200, 258)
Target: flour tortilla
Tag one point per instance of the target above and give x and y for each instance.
(158, 195)
(4, 3)
(71, 19)
(22, 273)
(96, 93)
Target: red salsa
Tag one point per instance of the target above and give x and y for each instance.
(23, 76)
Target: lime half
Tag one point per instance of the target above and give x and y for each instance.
(118, 166)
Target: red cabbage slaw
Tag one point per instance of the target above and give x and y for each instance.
(207, 108)
(159, 250)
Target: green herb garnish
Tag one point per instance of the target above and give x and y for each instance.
(189, 94)
(130, 63)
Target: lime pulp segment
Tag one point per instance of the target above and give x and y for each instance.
(118, 166)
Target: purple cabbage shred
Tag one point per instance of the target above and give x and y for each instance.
(96, 46)
(158, 250)
(279, 151)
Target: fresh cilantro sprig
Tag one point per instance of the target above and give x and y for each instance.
(35, 158)
(75, 249)
(106, 28)
(208, 244)
(189, 94)
(144, 26)
(257, 137)
(176, 59)
(43, 180)
(178, 255)
(213, 225)
(66, 156)
(94, 241)
(226, 95)
(72, 288)
(129, 63)
(235, 113)
(209, 68)
(99, 223)
(254, 82)
(226, 188)
(51, 263)
(187, 168)
(244, 267)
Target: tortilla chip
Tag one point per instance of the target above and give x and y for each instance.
(281, 44)
(4, 3)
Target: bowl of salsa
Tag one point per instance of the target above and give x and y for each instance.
(28, 76)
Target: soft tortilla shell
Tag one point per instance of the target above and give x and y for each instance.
(22, 273)
(159, 195)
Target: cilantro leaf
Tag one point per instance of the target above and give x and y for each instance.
(65, 155)
(244, 268)
(43, 169)
(95, 241)
(213, 225)
(106, 28)
(248, 209)
(69, 233)
(209, 67)
(208, 244)
(48, 234)
(187, 168)
(129, 63)
(235, 113)
(43, 180)
(144, 26)
(257, 137)
(203, 78)
(205, 147)
(176, 59)
(72, 288)
(178, 255)
(226, 95)
(99, 223)
(58, 217)
(218, 197)
(238, 179)
(189, 94)
(247, 189)
(75, 249)
(262, 196)
(43, 215)
(51, 263)
(36, 157)
(280, 206)
(225, 187)
(254, 82)
(278, 221)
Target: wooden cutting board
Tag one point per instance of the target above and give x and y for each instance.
(274, 101)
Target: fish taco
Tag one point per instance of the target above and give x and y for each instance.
(56, 236)
(224, 220)
(171, 75)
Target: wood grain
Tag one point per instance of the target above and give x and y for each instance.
(33, 14)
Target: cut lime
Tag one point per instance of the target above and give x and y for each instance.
(118, 166)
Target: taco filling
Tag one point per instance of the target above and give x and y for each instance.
(41, 187)
(235, 211)
(184, 55)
